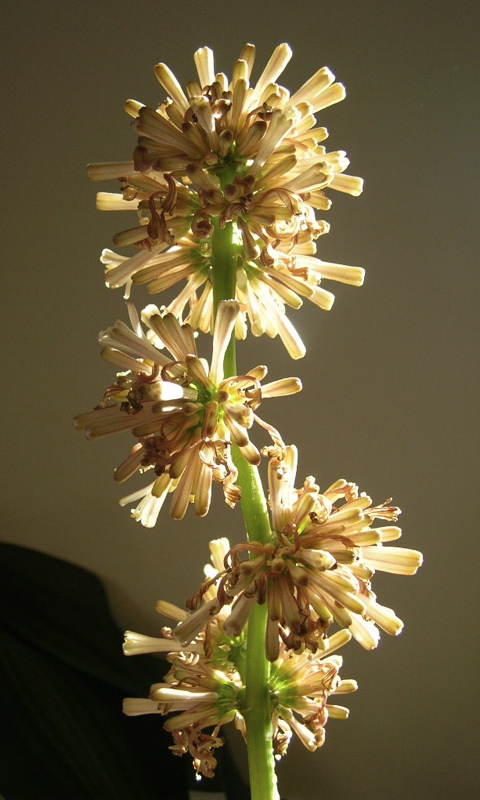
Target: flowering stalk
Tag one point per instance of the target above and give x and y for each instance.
(257, 712)
(226, 180)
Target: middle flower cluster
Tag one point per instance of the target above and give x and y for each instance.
(315, 570)
(184, 413)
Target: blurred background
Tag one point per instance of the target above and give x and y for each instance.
(390, 376)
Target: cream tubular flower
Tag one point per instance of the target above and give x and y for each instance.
(183, 412)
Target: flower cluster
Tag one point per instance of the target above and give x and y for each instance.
(202, 684)
(316, 568)
(204, 687)
(225, 151)
(185, 414)
(301, 685)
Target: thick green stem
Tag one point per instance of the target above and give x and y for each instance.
(224, 279)
(257, 713)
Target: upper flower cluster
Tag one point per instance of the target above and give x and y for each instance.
(225, 152)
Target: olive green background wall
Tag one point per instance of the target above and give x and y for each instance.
(390, 376)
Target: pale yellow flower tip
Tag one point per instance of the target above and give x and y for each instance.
(135, 706)
(170, 610)
(169, 82)
(203, 59)
(138, 644)
(349, 184)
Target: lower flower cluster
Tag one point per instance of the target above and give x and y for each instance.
(314, 571)
(205, 686)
